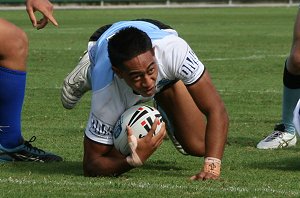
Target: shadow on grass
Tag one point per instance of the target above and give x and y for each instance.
(283, 164)
(75, 168)
(242, 141)
(57, 168)
(162, 166)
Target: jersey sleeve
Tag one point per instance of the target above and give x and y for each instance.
(181, 62)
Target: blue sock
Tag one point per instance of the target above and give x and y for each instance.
(12, 91)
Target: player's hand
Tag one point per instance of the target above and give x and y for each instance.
(211, 169)
(43, 6)
(143, 148)
(148, 144)
(204, 176)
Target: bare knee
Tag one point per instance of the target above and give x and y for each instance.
(191, 144)
(14, 46)
(195, 150)
(294, 63)
(20, 50)
(21, 44)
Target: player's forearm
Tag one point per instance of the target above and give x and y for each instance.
(216, 133)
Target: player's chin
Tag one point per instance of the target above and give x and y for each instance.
(148, 93)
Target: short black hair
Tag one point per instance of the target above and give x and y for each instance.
(126, 44)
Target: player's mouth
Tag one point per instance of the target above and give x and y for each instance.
(150, 92)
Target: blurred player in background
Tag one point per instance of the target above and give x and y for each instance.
(131, 62)
(13, 57)
(284, 134)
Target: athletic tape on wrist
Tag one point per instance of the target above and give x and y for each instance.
(133, 160)
(212, 165)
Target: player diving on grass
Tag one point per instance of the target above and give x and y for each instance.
(130, 62)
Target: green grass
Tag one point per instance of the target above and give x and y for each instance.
(244, 50)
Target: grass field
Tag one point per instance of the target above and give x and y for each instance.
(244, 50)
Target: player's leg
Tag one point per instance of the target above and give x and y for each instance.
(291, 80)
(77, 83)
(185, 120)
(13, 55)
(12, 82)
(284, 134)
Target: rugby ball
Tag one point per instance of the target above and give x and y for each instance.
(140, 118)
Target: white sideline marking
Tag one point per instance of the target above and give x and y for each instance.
(146, 185)
(235, 91)
(171, 5)
(252, 57)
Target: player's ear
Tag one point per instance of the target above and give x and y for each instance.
(117, 71)
(153, 51)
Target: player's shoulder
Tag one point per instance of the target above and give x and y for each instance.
(171, 41)
(170, 50)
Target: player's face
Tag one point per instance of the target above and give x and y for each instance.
(140, 73)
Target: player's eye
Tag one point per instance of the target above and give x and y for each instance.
(151, 70)
(136, 77)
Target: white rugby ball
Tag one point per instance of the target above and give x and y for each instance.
(140, 118)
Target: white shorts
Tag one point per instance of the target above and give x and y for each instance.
(296, 119)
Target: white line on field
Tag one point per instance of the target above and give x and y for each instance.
(229, 91)
(235, 91)
(147, 185)
(252, 57)
(169, 5)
